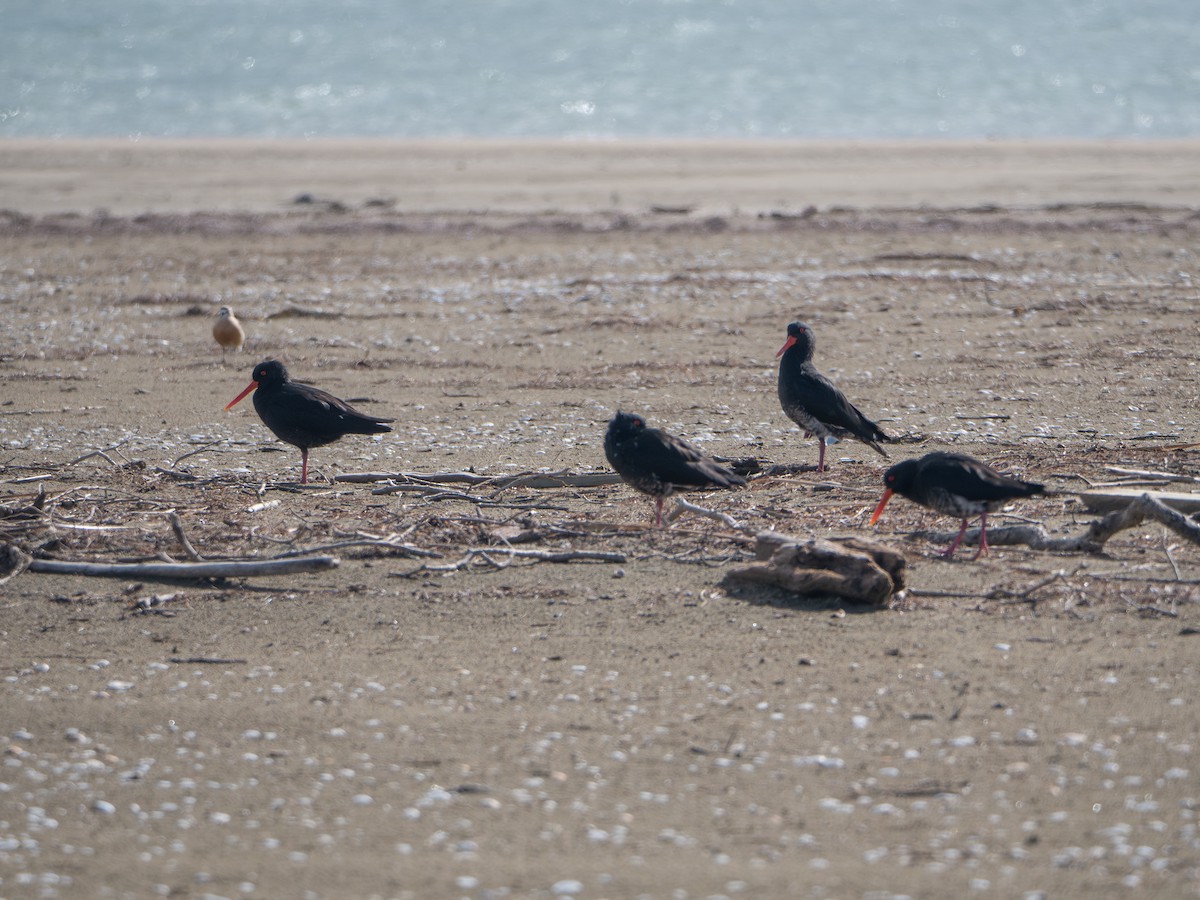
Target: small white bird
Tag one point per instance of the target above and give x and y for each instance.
(227, 331)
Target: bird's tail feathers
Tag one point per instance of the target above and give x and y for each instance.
(877, 438)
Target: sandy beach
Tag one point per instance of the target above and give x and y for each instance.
(505, 689)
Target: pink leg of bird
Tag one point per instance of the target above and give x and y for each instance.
(949, 551)
(303, 466)
(983, 545)
(658, 511)
(820, 454)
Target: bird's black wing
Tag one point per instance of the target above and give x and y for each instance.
(825, 402)
(674, 460)
(967, 477)
(333, 409)
(303, 415)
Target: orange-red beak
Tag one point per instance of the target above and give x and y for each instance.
(887, 495)
(236, 400)
(791, 340)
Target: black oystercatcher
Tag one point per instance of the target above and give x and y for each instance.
(657, 463)
(302, 415)
(955, 485)
(227, 331)
(813, 402)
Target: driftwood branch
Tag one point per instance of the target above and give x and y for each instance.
(178, 476)
(102, 453)
(177, 527)
(1148, 507)
(551, 480)
(430, 478)
(851, 568)
(1008, 595)
(558, 556)
(28, 479)
(541, 480)
(204, 449)
(435, 492)
(379, 543)
(1151, 474)
(1103, 501)
(249, 568)
(1138, 510)
(682, 506)
(489, 555)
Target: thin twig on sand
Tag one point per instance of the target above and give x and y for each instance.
(388, 543)
(204, 661)
(489, 554)
(435, 492)
(551, 480)
(195, 452)
(102, 453)
(412, 477)
(1026, 595)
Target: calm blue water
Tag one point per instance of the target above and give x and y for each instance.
(604, 68)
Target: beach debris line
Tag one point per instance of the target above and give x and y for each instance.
(850, 568)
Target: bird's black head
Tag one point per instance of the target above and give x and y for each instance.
(899, 477)
(800, 337)
(625, 425)
(270, 373)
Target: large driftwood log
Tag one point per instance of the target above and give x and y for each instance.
(852, 568)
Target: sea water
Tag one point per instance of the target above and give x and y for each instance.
(601, 68)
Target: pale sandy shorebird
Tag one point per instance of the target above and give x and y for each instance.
(227, 331)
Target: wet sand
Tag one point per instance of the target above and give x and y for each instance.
(132, 177)
(432, 720)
